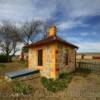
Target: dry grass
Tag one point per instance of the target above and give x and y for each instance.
(8, 67)
(12, 66)
(88, 60)
(80, 88)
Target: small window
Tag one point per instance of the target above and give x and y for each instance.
(40, 57)
(66, 57)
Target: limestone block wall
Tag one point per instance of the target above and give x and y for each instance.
(61, 56)
(53, 57)
(49, 62)
(48, 68)
(30, 58)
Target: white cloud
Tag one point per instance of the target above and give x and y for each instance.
(85, 7)
(74, 40)
(84, 34)
(88, 34)
(85, 45)
(89, 46)
(66, 25)
(20, 10)
(19, 46)
(70, 24)
(28, 9)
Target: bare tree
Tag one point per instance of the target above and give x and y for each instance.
(30, 29)
(9, 38)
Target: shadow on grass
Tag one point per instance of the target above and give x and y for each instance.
(2, 65)
(82, 71)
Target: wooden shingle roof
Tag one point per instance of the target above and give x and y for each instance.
(51, 39)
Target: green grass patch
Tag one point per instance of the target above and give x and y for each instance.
(21, 87)
(58, 84)
(2, 65)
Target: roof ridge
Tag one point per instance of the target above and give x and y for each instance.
(51, 39)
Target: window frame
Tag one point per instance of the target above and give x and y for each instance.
(40, 57)
(67, 57)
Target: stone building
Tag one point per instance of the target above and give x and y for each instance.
(52, 55)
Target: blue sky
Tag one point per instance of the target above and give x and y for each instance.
(78, 21)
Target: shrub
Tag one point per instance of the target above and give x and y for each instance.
(4, 58)
(25, 49)
(64, 75)
(58, 84)
(21, 87)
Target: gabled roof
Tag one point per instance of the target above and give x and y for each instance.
(51, 39)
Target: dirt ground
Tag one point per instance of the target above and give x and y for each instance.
(82, 87)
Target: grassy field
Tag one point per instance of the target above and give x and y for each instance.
(12, 66)
(83, 86)
(87, 60)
